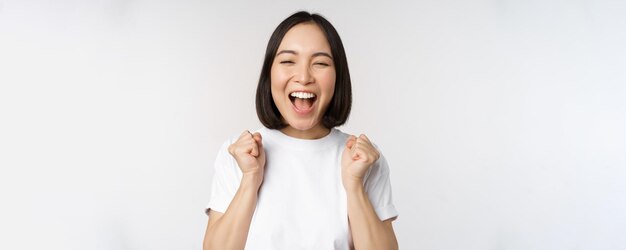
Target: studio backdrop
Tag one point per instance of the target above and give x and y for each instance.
(503, 122)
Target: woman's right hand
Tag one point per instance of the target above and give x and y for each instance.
(250, 156)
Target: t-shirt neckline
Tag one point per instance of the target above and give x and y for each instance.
(298, 143)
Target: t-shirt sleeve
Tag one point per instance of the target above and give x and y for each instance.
(226, 179)
(378, 188)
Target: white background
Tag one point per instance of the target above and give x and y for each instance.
(503, 121)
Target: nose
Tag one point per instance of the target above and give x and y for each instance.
(303, 75)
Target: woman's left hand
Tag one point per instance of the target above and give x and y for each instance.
(358, 156)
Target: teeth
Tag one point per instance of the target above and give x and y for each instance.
(302, 95)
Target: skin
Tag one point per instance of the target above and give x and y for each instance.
(303, 63)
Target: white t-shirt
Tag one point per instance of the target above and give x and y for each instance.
(302, 203)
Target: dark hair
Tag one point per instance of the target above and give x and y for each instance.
(339, 107)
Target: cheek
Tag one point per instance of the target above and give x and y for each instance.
(278, 78)
(327, 83)
(274, 82)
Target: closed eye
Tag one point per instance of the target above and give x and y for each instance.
(286, 62)
(323, 64)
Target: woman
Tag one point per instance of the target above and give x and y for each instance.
(299, 183)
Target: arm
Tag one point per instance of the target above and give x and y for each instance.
(368, 231)
(229, 230)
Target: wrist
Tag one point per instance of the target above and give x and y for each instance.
(252, 181)
(353, 184)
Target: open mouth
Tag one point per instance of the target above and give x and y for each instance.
(302, 101)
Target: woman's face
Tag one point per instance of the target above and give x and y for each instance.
(303, 78)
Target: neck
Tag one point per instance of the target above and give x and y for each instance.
(316, 132)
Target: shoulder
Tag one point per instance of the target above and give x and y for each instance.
(265, 132)
(232, 138)
(342, 136)
(339, 135)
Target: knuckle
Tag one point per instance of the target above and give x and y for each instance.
(239, 150)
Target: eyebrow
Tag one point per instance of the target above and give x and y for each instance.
(295, 53)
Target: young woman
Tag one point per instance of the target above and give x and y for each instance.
(300, 183)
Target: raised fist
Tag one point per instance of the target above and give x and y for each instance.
(358, 156)
(249, 154)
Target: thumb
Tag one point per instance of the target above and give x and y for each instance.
(350, 142)
(258, 139)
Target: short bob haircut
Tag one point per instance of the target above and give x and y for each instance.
(339, 107)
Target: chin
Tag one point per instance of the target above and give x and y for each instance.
(303, 125)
